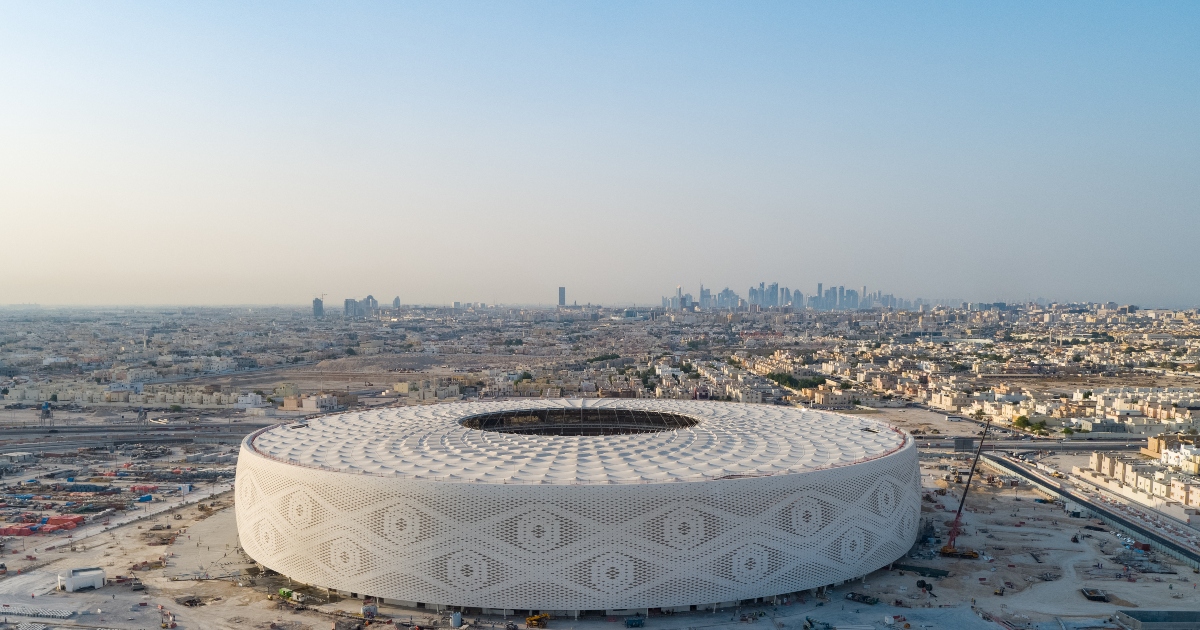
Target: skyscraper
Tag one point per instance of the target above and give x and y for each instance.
(396, 302)
(353, 308)
(562, 296)
(318, 308)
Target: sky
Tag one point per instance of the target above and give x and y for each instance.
(270, 152)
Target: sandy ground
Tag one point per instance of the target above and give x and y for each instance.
(910, 418)
(1020, 540)
(209, 545)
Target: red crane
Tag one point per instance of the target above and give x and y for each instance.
(949, 549)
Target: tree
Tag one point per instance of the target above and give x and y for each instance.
(1021, 422)
(787, 380)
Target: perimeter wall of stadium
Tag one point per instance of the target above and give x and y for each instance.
(556, 547)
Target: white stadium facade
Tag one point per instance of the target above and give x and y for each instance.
(565, 506)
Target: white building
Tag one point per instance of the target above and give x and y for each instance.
(249, 401)
(586, 504)
(321, 403)
(79, 579)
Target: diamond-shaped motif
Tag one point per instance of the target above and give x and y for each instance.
(299, 509)
(467, 569)
(612, 572)
(683, 527)
(401, 524)
(345, 556)
(246, 493)
(907, 522)
(750, 563)
(885, 498)
(266, 536)
(808, 516)
(853, 545)
(539, 531)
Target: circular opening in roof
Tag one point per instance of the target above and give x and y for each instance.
(581, 421)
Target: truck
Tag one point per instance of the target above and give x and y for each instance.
(862, 599)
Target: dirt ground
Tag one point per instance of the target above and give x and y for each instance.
(1026, 549)
(924, 420)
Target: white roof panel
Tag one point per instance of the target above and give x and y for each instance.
(428, 442)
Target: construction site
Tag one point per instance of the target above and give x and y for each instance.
(155, 523)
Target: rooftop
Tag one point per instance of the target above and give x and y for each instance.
(581, 441)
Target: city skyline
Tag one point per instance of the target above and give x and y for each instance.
(774, 294)
(267, 154)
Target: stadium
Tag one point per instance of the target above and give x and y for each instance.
(570, 506)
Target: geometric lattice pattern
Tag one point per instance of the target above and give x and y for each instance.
(577, 546)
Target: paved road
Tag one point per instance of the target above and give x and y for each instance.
(1036, 445)
(72, 444)
(63, 441)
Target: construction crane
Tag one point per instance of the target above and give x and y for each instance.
(949, 550)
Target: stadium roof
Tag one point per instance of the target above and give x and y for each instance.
(727, 440)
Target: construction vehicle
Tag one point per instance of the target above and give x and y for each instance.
(537, 621)
(862, 599)
(949, 550)
(166, 619)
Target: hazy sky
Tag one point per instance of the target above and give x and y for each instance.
(207, 152)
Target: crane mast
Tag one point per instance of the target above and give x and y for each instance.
(956, 526)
